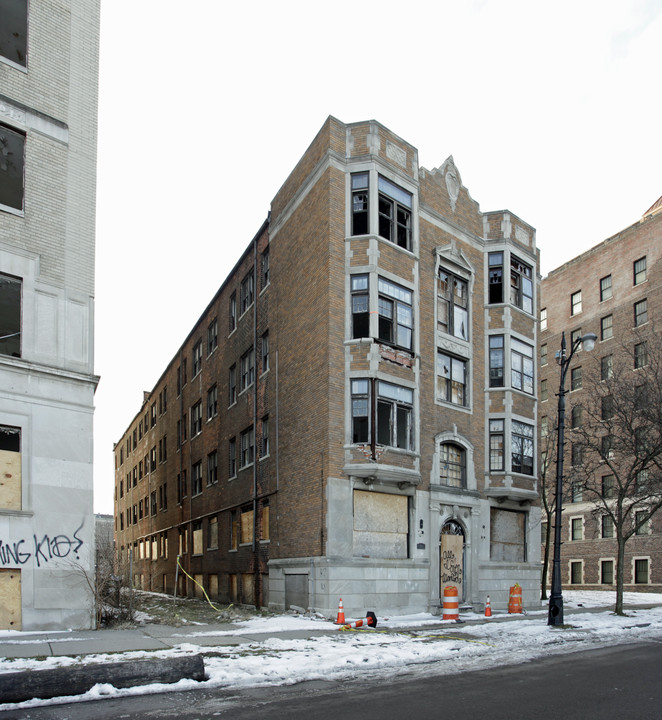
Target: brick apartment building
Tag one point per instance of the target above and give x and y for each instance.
(48, 114)
(615, 291)
(353, 415)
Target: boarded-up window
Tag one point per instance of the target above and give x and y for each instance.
(232, 581)
(198, 586)
(212, 534)
(248, 588)
(246, 526)
(381, 525)
(155, 547)
(507, 535)
(10, 467)
(265, 520)
(213, 586)
(197, 538)
(234, 530)
(10, 599)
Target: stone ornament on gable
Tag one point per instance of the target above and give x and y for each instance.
(453, 180)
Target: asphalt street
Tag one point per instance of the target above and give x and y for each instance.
(607, 683)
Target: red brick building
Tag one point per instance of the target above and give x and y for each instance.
(353, 414)
(615, 291)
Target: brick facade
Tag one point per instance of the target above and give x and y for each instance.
(348, 502)
(614, 258)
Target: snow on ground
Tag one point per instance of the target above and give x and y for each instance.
(419, 644)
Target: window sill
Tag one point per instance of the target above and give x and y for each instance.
(246, 311)
(455, 406)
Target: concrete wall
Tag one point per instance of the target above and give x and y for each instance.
(48, 391)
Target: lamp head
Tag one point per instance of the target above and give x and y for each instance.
(588, 341)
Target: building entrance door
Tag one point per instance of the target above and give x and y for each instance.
(451, 558)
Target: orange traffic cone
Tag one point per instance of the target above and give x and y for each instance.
(371, 620)
(488, 608)
(340, 620)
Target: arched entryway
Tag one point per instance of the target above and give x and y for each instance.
(452, 558)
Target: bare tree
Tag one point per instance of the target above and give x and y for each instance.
(618, 446)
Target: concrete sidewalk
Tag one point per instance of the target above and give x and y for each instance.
(153, 637)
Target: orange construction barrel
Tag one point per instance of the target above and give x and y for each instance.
(451, 605)
(515, 604)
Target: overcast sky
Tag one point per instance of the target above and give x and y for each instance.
(552, 111)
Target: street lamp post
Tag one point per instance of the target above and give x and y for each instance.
(555, 614)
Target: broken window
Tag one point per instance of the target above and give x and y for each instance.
(452, 465)
(10, 315)
(395, 206)
(452, 304)
(507, 535)
(396, 317)
(451, 379)
(360, 208)
(394, 416)
(360, 306)
(521, 285)
(360, 411)
(495, 292)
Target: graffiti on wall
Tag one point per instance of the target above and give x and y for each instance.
(42, 549)
(451, 567)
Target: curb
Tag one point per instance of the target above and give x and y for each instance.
(45, 684)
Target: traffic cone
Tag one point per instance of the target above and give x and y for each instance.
(340, 620)
(371, 620)
(488, 608)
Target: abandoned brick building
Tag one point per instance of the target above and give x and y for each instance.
(353, 415)
(615, 291)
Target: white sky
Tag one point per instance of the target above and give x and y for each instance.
(551, 111)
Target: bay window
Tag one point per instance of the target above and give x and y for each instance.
(395, 205)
